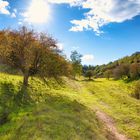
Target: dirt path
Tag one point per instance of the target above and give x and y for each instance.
(110, 126)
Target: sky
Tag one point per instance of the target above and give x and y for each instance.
(101, 30)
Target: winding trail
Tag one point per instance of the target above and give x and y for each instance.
(110, 126)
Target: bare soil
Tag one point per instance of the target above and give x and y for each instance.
(113, 133)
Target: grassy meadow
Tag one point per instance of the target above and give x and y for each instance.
(65, 111)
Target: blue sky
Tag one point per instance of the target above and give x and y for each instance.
(102, 31)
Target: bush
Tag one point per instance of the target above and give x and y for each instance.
(136, 93)
(134, 71)
(89, 74)
(121, 72)
(108, 74)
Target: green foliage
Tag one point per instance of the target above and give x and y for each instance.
(126, 67)
(108, 74)
(75, 57)
(89, 74)
(8, 69)
(76, 63)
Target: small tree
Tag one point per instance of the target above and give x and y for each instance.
(135, 71)
(121, 71)
(108, 74)
(76, 63)
(32, 53)
(89, 74)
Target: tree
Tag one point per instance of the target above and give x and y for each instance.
(32, 53)
(89, 74)
(135, 71)
(108, 74)
(121, 71)
(84, 69)
(76, 63)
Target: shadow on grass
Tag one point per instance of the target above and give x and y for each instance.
(10, 100)
(56, 118)
(91, 80)
(88, 80)
(61, 118)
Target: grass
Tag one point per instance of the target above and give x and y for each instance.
(43, 114)
(114, 98)
(66, 112)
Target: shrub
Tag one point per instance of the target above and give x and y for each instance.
(136, 93)
(134, 71)
(108, 74)
(121, 72)
(89, 74)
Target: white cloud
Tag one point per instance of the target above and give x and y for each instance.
(38, 12)
(81, 25)
(88, 58)
(60, 46)
(70, 2)
(4, 7)
(15, 10)
(102, 12)
(13, 15)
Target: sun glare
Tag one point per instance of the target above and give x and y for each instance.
(38, 12)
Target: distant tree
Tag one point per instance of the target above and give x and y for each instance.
(84, 69)
(121, 71)
(108, 74)
(89, 74)
(76, 63)
(135, 71)
(115, 66)
(32, 53)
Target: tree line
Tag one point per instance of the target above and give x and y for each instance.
(124, 68)
(37, 54)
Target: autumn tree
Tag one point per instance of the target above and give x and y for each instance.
(135, 71)
(121, 71)
(32, 53)
(76, 63)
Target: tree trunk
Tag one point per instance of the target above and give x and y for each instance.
(25, 79)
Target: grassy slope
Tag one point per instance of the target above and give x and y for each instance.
(45, 114)
(114, 98)
(66, 112)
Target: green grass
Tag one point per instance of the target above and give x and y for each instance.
(67, 111)
(41, 113)
(114, 98)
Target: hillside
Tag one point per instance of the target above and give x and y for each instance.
(99, 71)
(68, 111)
(69, 70)
(43, 113)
